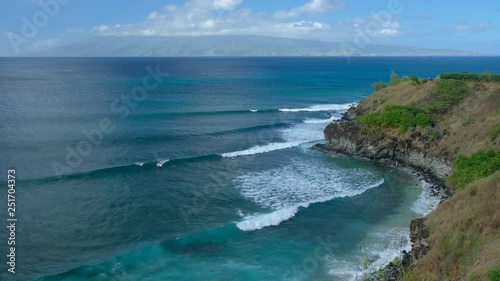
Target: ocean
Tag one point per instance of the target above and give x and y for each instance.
(199, 168)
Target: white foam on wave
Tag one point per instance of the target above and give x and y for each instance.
(322, 121)
(310, 130)
(253, 110)
(319, 107)
(284, 190)
(383, 248)
(426, 202)
(261, 221)
(293, 136)
(160, 162)
(261, 149)
(140, 164)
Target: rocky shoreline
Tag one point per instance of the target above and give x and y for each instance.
(437, 185)
(417, 152)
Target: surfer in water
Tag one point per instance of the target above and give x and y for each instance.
(160, 162)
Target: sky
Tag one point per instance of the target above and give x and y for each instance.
(30, 25)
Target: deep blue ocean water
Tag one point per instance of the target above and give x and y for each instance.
(239, 194)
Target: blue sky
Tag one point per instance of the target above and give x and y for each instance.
(461, 25)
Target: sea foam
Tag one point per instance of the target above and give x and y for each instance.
(294, 136)
(381, 249)
(261, 149)
(426, 202)
(322, 121)
(261, 221)
(320, 107)
(285, 190)
(308, 131)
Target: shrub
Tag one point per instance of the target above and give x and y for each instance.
(452, 90)
(378, 85)
(405, 79)
(494, 275)
(394, 78)
(478, 77)
(418, 81)
(467, 169)
(449, 93)
(397, 116)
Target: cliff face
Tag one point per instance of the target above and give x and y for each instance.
(415, 149)
(460, 240)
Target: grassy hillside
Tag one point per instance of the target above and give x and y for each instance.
(460, 116)
(466, 115)
(464, 235)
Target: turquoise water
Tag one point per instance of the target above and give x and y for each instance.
(239, 194)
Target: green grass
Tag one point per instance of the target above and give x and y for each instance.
(465, 76)
(398, 117)
(449, 93)
(379, 85)
(494, 275)
(494, 132)
(395, 79)
(467, 169)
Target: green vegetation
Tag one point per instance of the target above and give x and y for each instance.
(467, 169)
(449, 93)
(379, 85)
(399, 117)
(395, 79)
(452, 90)
(494, 275)
(464, 235)
(465, 76)
(417, 81)
(464, 231)
(494, 132)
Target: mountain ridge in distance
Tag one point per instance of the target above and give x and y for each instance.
(230, 45)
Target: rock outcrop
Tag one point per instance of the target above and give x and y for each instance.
(416, 149)
(419, 232)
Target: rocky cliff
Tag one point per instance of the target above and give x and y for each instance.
(465, 121)
(415, 149)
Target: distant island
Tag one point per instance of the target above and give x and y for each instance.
(213, 46)
(448, 128)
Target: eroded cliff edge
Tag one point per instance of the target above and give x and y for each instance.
(415, 149)
(466, 121)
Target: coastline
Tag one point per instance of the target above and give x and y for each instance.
(438, 187)
(417, 230)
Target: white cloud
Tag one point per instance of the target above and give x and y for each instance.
(220, 17)
(388, 30)
(311, 7)
(373, 26)
(226, 4)
(101, 28)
